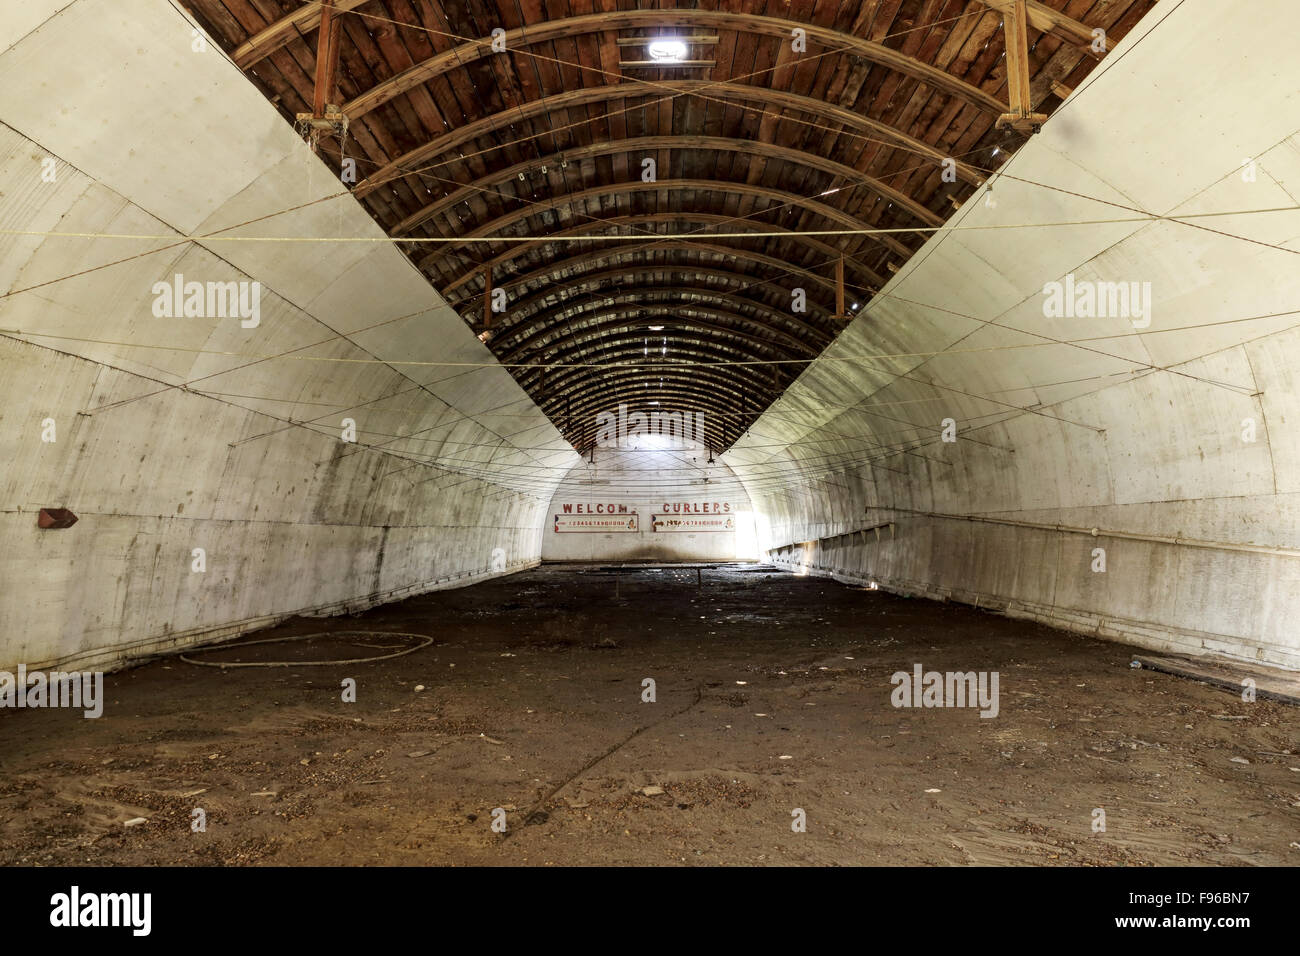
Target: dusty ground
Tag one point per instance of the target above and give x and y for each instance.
(532, 703)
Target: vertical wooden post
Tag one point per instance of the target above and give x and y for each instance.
(1016, 28)
(487, 297)
(327, 55)
(1017, 34)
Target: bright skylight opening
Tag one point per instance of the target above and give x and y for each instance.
(667, 50)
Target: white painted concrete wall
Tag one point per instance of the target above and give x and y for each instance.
(649, 481)
(1138, 432)
(181, 433)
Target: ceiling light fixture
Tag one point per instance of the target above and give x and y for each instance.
(656, 328)
(666, 50)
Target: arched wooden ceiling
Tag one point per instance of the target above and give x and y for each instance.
(541, 148)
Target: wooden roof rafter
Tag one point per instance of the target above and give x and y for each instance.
(669, 318)
(774, 321)
(731, 224)
(569, 27)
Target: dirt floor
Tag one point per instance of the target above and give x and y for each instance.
(772, 694)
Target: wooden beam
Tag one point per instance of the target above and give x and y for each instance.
(533, 311)
(327, 58)
(557, 265)
(1021, 116)
(587, 389)
(767, 100)
(732, 224)
(1042, 17)
(829, 213)
(722, 398)
(625, 340)
(646, 41)
(285, 30)
(649, 144)
(571, 27)
(671, 315)
(586, 385)
(696, 272)
(536, 312)
(665, 64)
(715, 415)
(626, 323)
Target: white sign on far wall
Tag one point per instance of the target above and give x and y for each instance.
(596, 524)
(668, 523)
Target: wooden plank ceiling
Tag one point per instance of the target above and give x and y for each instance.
(548, 139)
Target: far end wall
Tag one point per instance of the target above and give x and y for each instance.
(651, 504)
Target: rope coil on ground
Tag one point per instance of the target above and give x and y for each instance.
(424, 639)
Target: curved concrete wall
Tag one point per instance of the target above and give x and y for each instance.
(1181, 429)
(173, 434)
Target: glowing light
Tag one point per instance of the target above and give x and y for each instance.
(666, 50)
